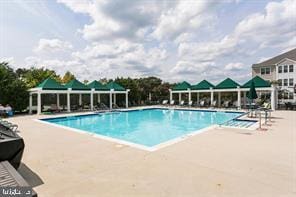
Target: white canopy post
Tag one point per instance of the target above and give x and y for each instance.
(68, 100)
(272, 97)
(245, 98)
(171, 95)
(30, 103)
(58, 101)
(99, 98)
(219, 99)
(189, 95)
(212, 96)
(92, 99)
(180, 97)
(238, 97)
(110, 99)
(126, 98)
(39, 103)
(80, 99)
(114, 100)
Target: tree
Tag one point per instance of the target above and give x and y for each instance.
(68, 76)
(13, 90)
(129, 83)
(140, 88)
(34, 76)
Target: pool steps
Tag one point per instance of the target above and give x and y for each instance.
(239, 123)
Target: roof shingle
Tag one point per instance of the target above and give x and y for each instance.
(290, 55)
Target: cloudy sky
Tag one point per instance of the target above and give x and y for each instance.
(175, 40)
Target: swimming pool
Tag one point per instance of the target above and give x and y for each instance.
(145, 128)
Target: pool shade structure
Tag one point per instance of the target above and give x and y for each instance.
(51, 86)
(76, 85)
(258, 83)
(115, 86)
(180, 88)
(203, 85)
(227, 86)
(97, 85)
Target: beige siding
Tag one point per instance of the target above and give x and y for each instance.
(257, 72)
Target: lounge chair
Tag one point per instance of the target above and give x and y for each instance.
(172, 102)
(226, 104)
(181, 103)
(115, 106)
(165, 102)
(190, 104)
(103, 106)
(11, 146)
(86, 107)
(214, 103)
(202, 103)
(8, 126)
(9, 177)
(54, 108)
(235, 104)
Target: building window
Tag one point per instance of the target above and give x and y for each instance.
(285, 68)
(280, 82)
(291, 82)
(285, 82)
(265, 71)
(280, 69)
(291, 95)
(291, 68)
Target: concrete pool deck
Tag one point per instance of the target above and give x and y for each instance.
(218, 162)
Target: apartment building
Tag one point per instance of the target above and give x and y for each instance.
(281, 68)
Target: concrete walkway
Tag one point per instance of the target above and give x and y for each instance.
(218, 162)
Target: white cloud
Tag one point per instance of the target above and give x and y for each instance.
(142, 19)
(190, 68)
(32, 61)
(52, 45)
(234, 66)
(185, 16)
(275, 25)
(9, 60)
(274, 28)
(207, 51)
(172, 39)
(123, 56)
(120, 19)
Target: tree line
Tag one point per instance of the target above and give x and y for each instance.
(14, 85)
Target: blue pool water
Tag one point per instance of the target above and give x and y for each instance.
(145, 127)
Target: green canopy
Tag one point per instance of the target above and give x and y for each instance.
(51, 84)
(76, 85)
(227, 84)
(258, 82)
(97, 85)
(182, 86)
(203, 85)
(115, 86)
(252, 92)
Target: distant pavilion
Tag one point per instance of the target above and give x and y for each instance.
(228, 85)
(51, 86)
